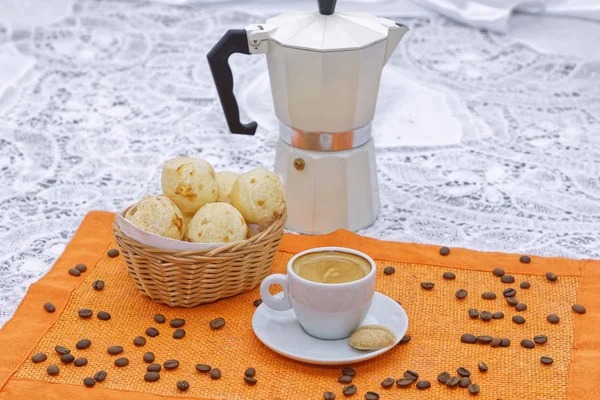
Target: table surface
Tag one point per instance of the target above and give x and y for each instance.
(484, 141)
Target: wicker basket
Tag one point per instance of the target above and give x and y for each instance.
(189, 278)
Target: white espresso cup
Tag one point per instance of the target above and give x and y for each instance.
(325, 310)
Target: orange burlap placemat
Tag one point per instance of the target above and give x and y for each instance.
(437, 320)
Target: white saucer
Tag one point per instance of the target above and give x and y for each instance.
(281, 332)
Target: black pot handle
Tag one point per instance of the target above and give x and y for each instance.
(234, 41)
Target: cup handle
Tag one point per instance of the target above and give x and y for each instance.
(282, 304)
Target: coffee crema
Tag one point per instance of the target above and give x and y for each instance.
(331, 267)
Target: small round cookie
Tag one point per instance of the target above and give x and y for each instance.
(259, 195)
(226, 180)
(157, 214)
(372, 337)
(190, 183)
(217, 223)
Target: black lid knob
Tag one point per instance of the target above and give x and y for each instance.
(327, 7)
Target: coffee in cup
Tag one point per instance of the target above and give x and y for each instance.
(331, 267)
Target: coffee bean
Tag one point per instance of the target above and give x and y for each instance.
(498, 315)
(517, 319)
(463, 371)
(179, 333)
(525, 259)
(152, 332)
(112, 253)
(153, 367)
(139, 341)
(468, 338)
(427, 285)
(171, 364)
(81, 267)
(74, 272)
(215, 373)
(114, 350)
(345, 379)
(177, 323)
(349, 390)
(387, 383)
(510, 292)
(389, 270)
(578, 308)
(149, 357)
(405, 339)
(443, 377)
(512, 301)
(80, 362)
(39, 357)
(49, 307)
(499, 272)
(464, 382)
(411, 375)
(551, 277)
(121, 362)
(250, 372)
(461, 293)
(528, 344)
(553, 319)
(473, 313)
(521, 307)
(507, 279)
(473, 388)
(151, 376)
(183, 385)
(449, 275)
(525, 285)
(83, 344)
(89, 382)
(540, 339)
(372, 396)
(203, 368)
(422, 385)
(100, 376)
(484, 339)
(444, 251)
(257, 303)
(250, 381)
(505, 342)
(160, 319)
(482, 366)
(217, 323)
(453, 381)
(546, 360)
(348, 371)
(60, 350)
(85, 313)
(328, 396)
(98, 285)
(67, 358)
(496, 342)
(103, 315)
(488, 295)
(52, 370)
(486, 315)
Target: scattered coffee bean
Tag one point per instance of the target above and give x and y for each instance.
(67, 358)
(250, 372)
(499, 272)
(444, 251)
(473, 388)
(482, 366)
(528, 344)
(160, 319)
(405, 339)
(578, 308)
(510, 292)
(498, 315)
(551, 277)
(464, 382)
(81, 267)
(152, 332)
(250, 381)
(257, 303)
(79, 362)
(83, 344)
(112, 253)
(553, 319)
(215, 373)
(60, 350)
(348, 371)
(521, 307)
(151, 376)
(488, 295)
(179, 333)
(139, 341)
(349, 390)
(98, 285)
(422, 385)
(39, 357)
(449, 275)
(153, 367)
(371, 396)
(540, 339)
(85, 313)
(468, 338)
(484, 339)
(505, 342)
(328, 396)
(203, 368)
(404, 382)
(74, 272)
(463, 371)
(114, 350)
(461, 293)
(177, 323)
(149, 357)
(121, 362)
(100, 376)
(486, 315)
(517, 319)
(512, 301)
(389, 270)
(183, 385)
(171, 364)
(525, 259)
(217, 323)
(410, 374)
(103, 315)
(525, 285)
(453, 381)
(345, 379)
(546, 360)
(387, 383)
(89, 382)
(427, 285)
(507, 279)
(496, 342)
(49, 307)
(443, 377)
(473, 313)
(52, 370)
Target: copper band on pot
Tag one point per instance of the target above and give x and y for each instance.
(323, 141)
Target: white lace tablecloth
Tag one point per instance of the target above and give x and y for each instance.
(484, 141)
